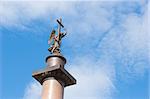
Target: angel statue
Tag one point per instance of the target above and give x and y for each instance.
(55, 40)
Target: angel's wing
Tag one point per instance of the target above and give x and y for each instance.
(51, 36)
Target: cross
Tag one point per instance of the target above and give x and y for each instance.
(59, 22)
(59, 26)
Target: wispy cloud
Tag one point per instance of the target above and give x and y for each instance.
(131, 38)
(17, 13)
(33, 91)
(94, 80)
(106, 39)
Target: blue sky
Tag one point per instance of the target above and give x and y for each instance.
(106, 47)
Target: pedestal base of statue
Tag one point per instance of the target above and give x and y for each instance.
(54, 77)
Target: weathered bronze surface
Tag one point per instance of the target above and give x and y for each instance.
(55, 40)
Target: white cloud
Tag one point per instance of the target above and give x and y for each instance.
(17, 13)
(94, 80)
(126, 44)
(137, 31)
(33, 91)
